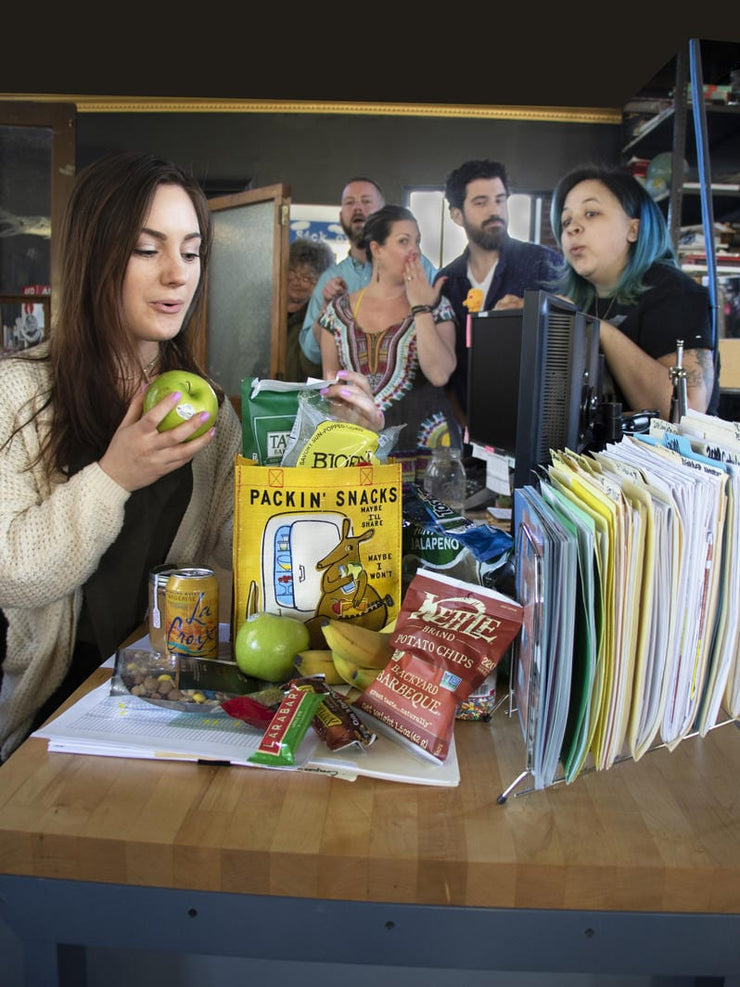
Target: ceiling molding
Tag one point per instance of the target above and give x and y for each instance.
(144, 104)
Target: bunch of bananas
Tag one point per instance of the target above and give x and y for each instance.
(355, 654)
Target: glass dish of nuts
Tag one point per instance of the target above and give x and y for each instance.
(179, 682)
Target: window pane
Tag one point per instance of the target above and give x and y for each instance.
(442, 239)
(240, 291)
(319, 223)
(520, 211)
(25, 208)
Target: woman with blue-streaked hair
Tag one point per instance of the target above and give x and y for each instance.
(619, 266)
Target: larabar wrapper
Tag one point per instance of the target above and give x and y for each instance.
(287, 728)
(449, 636)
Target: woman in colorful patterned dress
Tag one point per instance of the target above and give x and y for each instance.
(399, 333)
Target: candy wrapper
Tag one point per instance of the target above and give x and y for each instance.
(336, 723)
(257, 710)
(481, 703)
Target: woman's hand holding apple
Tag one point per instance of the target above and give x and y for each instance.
(354, 401)
(138, 454)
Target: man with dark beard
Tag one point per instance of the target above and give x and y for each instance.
(360, 197)
(501, 267)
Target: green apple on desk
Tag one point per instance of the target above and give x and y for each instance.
(197, 396)
(266, 645)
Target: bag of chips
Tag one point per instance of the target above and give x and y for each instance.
(449, 637)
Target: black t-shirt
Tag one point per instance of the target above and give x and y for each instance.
(115, 596)
(674, 307)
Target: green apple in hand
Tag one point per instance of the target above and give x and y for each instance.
(196, 395)
(267, 643)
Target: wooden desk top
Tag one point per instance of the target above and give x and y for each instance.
(662, 834)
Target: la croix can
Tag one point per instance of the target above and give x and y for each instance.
(191, 613)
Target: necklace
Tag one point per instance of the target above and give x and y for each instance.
(145, 371)
(610, 306)
(151, 365)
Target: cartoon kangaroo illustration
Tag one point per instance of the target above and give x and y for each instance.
(345, 591)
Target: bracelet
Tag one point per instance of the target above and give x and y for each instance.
(418, 309)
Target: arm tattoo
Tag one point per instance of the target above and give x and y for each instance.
(703, 373)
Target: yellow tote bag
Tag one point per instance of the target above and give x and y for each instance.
(316, 543)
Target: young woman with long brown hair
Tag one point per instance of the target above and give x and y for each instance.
(92, 495)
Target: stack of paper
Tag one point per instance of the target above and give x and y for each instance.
(550, 562)
(586, 683)
(698, 488)
(126, 726)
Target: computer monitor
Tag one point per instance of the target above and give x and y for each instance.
(533, 380)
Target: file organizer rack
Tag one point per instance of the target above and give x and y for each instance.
(540, 685)
(511, 789)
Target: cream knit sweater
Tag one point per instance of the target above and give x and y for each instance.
(53, 533)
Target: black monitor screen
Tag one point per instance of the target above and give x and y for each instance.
(533, 380)
(493, 378)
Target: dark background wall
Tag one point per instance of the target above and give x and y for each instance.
(316, 153)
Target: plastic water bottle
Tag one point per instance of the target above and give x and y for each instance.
(444, 478)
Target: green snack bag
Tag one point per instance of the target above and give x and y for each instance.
(269, 409)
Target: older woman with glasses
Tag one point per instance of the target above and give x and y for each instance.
(307, 260)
